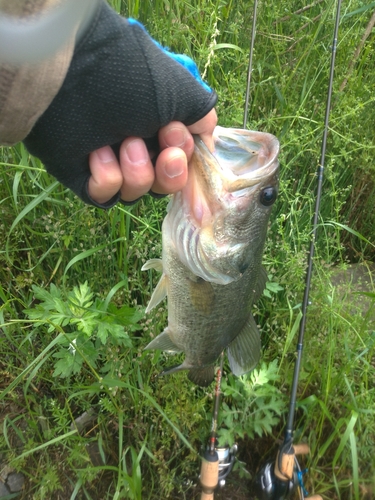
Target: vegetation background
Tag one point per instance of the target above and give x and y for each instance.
(82, 413)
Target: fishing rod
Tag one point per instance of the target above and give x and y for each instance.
(217, 462)
(278, 480)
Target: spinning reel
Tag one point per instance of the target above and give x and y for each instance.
(216, 466)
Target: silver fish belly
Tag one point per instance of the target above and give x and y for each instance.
(213, 238)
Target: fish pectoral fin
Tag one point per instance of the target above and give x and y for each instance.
(164, 343)
(244, 351)
(261, 284)
(156, 264)
(202, 376)
(160, 292)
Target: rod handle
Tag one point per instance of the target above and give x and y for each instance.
(315, 497)
(209, 476)
(207, 496)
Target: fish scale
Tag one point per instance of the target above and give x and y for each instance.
(213, 238)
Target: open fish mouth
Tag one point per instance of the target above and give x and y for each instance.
(221, 187)
(244, 158)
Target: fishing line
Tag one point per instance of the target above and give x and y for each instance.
(250, 65)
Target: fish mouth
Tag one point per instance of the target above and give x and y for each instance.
(244, 157)
(221, 182)
(240, 161)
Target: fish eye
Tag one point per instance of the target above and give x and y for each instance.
(268, 196)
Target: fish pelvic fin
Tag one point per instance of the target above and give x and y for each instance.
(199, 376)
(174, 369)
(164, 343)
(202, 376)
(244, 350)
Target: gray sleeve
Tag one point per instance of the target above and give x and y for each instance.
(27, 90)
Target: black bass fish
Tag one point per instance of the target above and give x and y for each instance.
(213, 238)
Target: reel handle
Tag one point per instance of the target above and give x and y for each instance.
(301, 449)
(209, 476)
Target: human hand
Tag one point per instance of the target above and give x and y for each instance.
(135, 174)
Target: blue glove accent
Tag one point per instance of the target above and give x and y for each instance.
(182, 59)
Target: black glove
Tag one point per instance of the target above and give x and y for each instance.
(119, 84)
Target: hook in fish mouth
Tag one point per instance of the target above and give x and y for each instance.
(243, 159)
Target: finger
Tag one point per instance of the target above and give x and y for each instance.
(137, 169)
(205, 128)
(176, 135)
(171, 171)
(106, 176)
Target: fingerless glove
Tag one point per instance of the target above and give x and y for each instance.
(120, 83)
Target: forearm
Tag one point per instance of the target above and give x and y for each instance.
(27, 90)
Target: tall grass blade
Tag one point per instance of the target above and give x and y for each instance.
(33, 204)
(345, 438)
(359, 11)
(53, 441)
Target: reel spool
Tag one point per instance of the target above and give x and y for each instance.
(227, 457)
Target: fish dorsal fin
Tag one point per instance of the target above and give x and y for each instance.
(202, 376)
(260, 284)
(160, 292)
(163, 342)
(153, 264)
(244, 351)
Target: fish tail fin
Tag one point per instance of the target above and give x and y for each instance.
(202, 376)
(244, 351)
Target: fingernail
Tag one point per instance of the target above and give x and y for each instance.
(175, 137)
(136, 152)
(105, 155)
(174, 167)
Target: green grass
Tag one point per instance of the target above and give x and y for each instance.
(143, 433)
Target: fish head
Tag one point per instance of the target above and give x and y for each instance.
(218, 222)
